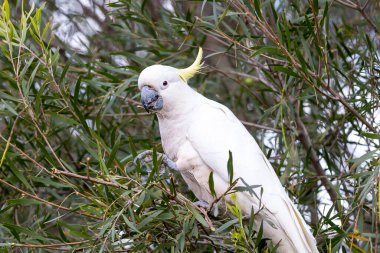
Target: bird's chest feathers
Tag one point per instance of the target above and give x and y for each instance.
(173, 135)
(177, 146)
(194, 171)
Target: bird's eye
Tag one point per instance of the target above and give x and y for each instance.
(165, 83)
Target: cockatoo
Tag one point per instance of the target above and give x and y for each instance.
(197, 137)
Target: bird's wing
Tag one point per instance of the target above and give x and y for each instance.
(214, 132)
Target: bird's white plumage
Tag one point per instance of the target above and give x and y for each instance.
(198, 133)
(214, 133)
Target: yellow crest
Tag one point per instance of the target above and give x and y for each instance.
(189, 72)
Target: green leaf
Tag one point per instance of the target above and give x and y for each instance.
(181, 241)
(259, 235)
(23, 201)
(5, 11)
(130, 224)
(80, 116)
(258, 9)
(198, 216)
(273, 9)
(47, 26)
(251, 222)
(357, 161)
(249, 6)
(211, 184)
(114, 150)
(371, 135)
(154, 169)
(226, 225)
(266, 49)
(48, 182)
(20, 176)
(22, 230)
(26, 67)
(230, 168)
(149, 219)
(285, 70)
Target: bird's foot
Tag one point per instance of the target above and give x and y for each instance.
(203, 204)
(147, 157)
(168, 162)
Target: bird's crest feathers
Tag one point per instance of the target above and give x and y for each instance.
(195, 68)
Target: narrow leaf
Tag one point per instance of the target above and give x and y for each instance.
(211, 184)
(230, 168)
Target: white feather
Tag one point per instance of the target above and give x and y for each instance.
(198, 133)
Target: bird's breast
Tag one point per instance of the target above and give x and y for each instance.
(190, 164)
(173, 136)
(194, 171)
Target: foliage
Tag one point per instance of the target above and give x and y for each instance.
(305, 72)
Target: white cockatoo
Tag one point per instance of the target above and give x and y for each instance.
(198, 135)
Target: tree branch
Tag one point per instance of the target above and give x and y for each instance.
(246, 123)
(45, 201)
(91, 179)
(360, 9)
(271, 35)
(57, 246)
(305, 139)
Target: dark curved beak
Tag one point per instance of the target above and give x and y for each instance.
(150, 99)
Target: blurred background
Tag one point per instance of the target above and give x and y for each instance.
(302, 76)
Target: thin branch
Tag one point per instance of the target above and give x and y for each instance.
(227, 192)
(369, 20)
(347, 3)
(305, 139)
(8, 141)
(47, 202)
(360, 9)
(271, 35)
(31, 113)
(246, 123)
(87, 178)
(55, 245)
(22, 153)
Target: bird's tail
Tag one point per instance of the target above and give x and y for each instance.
(304, 239)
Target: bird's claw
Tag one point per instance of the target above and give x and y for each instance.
(203, 204)
(146, 157)
(169, 163)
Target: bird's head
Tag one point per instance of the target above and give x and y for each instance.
(161, 85)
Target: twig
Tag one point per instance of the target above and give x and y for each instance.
(47, 202)
(347, 3)
(305, 139)
(56, 245)
(182, 200)
(32, 115)
(8, 141)
(224, 194)
(260, 126)
(32, 160)
(360, 9)
(370, 22)
(128, 114)
(265, 28)
(87, 178)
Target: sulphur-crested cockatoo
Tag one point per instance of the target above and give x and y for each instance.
(197, 135)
